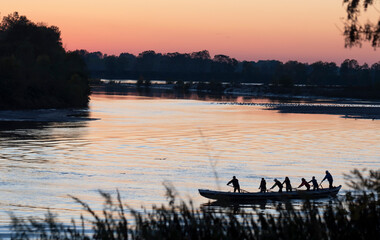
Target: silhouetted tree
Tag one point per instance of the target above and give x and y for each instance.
(223, 68)
(364, 75)
(247, 71)
(204, 55)
(201, 62)
(349, 72)
(147, 61)
(111, 66)
(177, 62)
(294, 71)
(126, 62)
(323, 73)
(267, 70)
(36, 71)
(356, 32)
(375, 72)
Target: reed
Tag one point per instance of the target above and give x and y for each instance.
(356, 216)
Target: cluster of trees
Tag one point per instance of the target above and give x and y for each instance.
(199, 66)
(35, 70)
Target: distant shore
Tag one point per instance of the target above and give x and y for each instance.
(338, 92)
(343, 106)
(354, 110)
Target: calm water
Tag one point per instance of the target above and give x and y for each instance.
(140, 142)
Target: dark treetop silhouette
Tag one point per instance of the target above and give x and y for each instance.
(35, 70)
(356, 32)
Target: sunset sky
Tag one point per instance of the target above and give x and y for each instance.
(301, 30)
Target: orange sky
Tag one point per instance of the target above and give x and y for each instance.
(301, 30)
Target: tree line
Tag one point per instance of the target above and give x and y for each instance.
(35, 69)
(37, 72)
(199, 66)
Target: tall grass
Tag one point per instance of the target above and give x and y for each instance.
(356, 216)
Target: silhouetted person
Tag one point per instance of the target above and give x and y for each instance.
(263, 185)
(288, 186)
(304, 183)
(278, 184)
(329, 179)
(235, 184)
(315, 183)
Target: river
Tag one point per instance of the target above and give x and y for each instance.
(136, 143)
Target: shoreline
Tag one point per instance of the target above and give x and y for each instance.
(283, 103)
(45, 115)
(344, 110)
(298, 104)
(249, 90)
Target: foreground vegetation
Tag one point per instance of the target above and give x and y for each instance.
(35, 70)
(354, 217)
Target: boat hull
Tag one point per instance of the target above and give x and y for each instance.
(244, 197)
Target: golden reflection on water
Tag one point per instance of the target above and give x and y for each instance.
(140, 142)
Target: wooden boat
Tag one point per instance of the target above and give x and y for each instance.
(247, 196)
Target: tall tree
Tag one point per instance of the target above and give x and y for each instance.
(35, 70)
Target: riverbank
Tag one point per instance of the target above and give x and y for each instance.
(45, 115)
(307, 92)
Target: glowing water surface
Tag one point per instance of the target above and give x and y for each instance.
(140, 142)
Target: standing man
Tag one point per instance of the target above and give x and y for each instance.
(235, 184)
(263, 185)
(329, 179)
(288, 186)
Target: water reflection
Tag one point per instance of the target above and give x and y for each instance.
(235, 207)
(165, 94)
(141, 141)
(267, 205)
(205, 96)
(198, 95)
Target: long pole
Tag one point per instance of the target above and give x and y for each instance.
(243, 190)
